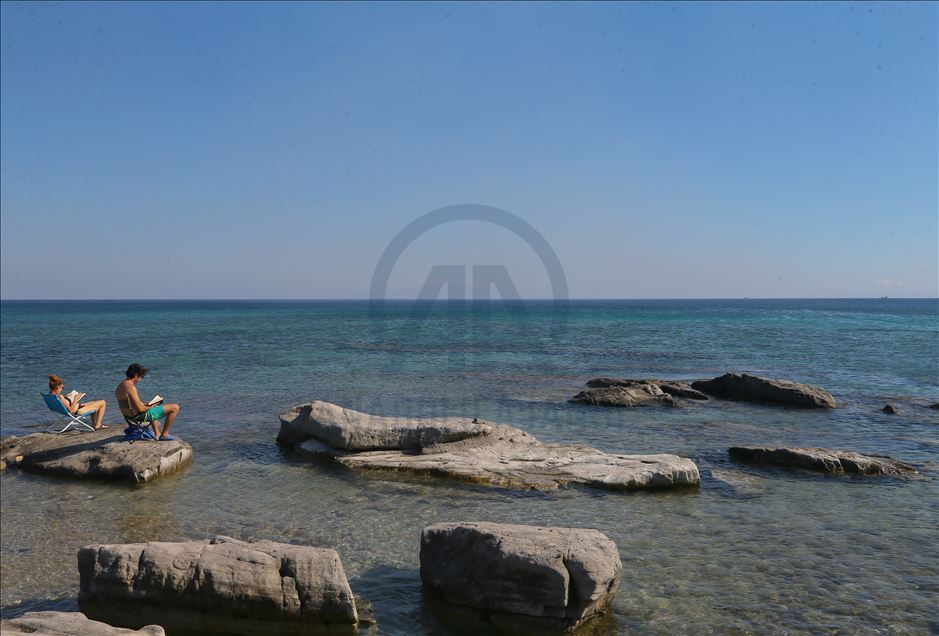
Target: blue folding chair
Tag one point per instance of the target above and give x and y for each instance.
(56, 406)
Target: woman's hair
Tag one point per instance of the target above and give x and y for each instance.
(55, 382)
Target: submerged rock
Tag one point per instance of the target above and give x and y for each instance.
(102, 454)
(549, 579)
(350, 430)
(889, 410)
(752, 388)
(822, 459)
(671, 387)
(505, 456)
(635, 395)
(222, 585)
(68, 624)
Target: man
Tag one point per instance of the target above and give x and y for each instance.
(132, 407)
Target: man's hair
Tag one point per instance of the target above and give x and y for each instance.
(135, 370)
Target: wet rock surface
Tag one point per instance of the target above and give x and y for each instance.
(751, 388)
(524, 577)
(68, 624)
(220, 585)
(674, 388)
(505, 456)
(101, 454)
(349, 430)
(822, 460)
(635, 395)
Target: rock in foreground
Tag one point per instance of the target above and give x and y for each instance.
(222, 585)
(822, 459)
(506, 456)
(102, 454)
(349, 430)
(68, 624)
(752, 388)
(548, 579)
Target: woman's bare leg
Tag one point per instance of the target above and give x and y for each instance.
(99, 407)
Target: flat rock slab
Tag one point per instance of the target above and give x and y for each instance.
(349, 430)
(634, 395)
(221, 585)
(752, 388)
(822, 460)
(511, 458)
(553, 578)
(102, 454)
(505, 456)
(69, 624)
(674, 388)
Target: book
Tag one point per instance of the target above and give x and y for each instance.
(157, 400)
(74, 396)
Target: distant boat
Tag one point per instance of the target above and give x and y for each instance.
(883, 298)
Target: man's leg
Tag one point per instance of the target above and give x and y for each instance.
(171, 410)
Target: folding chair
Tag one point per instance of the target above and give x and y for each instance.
(55, 405)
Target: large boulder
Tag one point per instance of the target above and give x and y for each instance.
(551, 578)
(349, 430)
(102, 454)
(821, 459)
(752, 388)
(674, 388)
(220, 585)
(505, 456)
(68, 624)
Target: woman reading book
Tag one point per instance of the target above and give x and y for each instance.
(136, 410)
(72, 402)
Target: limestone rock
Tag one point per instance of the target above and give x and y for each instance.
(674, 388)
(634, 395)
(554, 578)
(221, 585)
(345, 429)
(823, 460)
(68, 624)
(752, 388)
(101, 454)
(501, 455)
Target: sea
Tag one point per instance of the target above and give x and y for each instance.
(752, 550)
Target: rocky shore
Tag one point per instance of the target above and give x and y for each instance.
(730, 386)
(221, 585)
(101, 454)
(471, 450)
(522, 578)
(821, 460)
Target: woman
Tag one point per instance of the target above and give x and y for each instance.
(56, 384)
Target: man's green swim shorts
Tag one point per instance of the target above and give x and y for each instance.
(154, 413)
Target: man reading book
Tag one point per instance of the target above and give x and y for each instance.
(136, 410)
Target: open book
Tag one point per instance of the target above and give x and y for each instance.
(157, 400)
(74, 396)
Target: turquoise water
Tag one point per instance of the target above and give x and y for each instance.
(751, 550)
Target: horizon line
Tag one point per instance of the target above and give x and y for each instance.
(611, 298)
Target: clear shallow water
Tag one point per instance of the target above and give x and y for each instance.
(750, 551)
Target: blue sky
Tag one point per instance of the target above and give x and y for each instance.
(273, 150)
